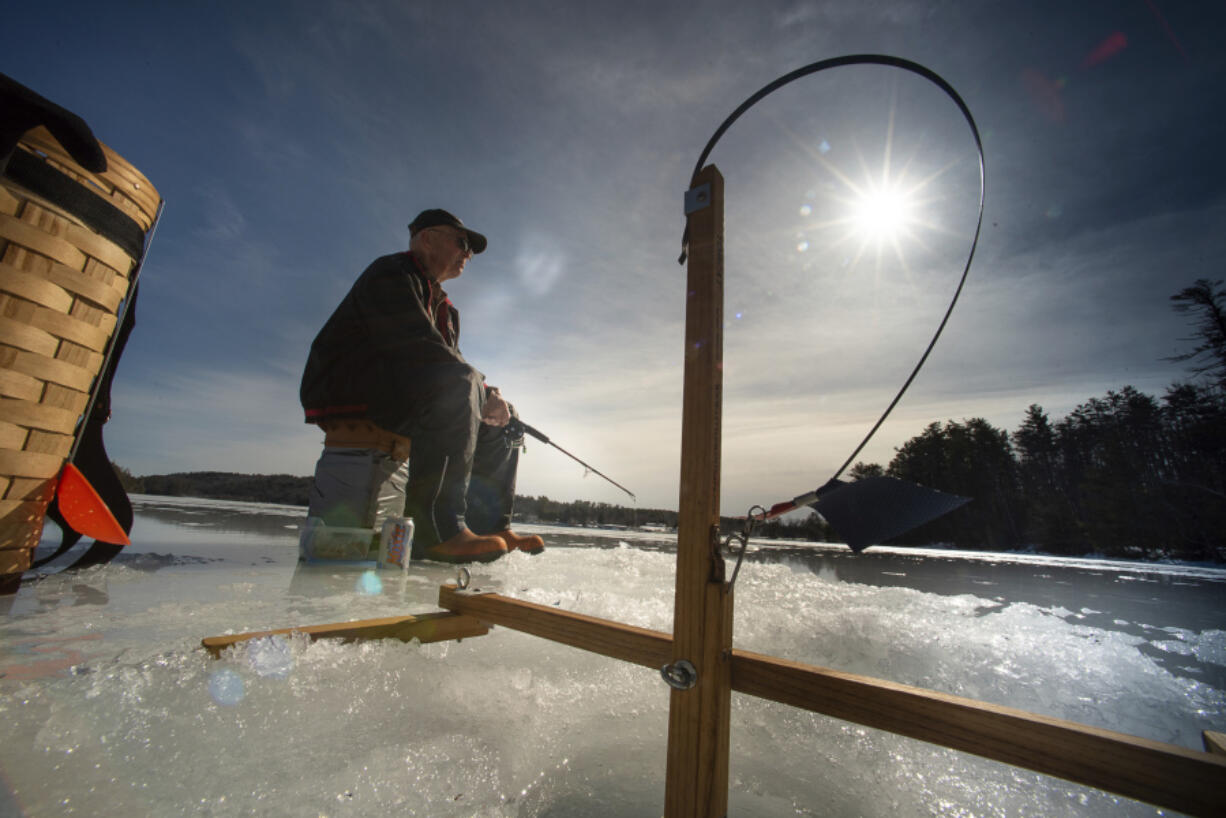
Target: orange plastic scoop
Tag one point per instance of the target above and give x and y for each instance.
(85, 511)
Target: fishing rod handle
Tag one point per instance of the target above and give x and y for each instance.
(535, 433)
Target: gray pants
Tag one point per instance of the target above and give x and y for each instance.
(461, 471)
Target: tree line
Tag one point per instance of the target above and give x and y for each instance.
(1122, 475)
(287, 489)
(582, 512)
(281, 489)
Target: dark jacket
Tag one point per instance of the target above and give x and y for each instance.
(393, 322)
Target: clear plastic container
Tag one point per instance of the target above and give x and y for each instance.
(324, 542)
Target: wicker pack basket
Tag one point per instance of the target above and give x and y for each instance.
(61, 288)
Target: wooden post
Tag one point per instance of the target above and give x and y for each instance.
(698, 717)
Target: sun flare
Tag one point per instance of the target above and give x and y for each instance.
(888, 211)
(882, 214)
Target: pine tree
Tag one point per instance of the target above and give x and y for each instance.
(1206, 300)
(1050, 522)
(972, 459)
(862, 470)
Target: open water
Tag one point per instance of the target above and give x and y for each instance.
(110, 707)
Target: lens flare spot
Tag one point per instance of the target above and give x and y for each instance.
(369, 584)
(802, 246)
(824, 147)
(540, 263)
(226, 687)
(1044, 93)
(805, 210)
(1108, 48)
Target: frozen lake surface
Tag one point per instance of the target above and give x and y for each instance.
(110, 706)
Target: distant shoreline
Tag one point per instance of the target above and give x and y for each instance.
(938, 551)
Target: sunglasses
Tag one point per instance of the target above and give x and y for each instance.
(461, 240)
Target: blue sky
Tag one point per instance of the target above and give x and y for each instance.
(293, 142)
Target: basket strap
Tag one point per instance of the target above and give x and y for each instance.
(24, 109)
(49, 182)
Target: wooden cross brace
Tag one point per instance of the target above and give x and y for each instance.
(1167, 775)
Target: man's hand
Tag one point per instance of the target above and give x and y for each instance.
(496, 411)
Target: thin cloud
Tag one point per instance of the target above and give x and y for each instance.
(224, 221)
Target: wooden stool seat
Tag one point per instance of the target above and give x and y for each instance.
(359, 433)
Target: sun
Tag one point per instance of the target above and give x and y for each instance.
(873, 211)
(882, 213)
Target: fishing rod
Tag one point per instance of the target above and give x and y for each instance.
(516, 428)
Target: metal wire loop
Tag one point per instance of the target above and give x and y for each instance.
(755, 515)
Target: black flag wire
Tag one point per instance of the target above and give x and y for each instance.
(873, 509)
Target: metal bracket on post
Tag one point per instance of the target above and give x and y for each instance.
(697, 198)
(717, 556)
(680, 675)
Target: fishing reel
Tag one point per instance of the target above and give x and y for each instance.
(513, 433)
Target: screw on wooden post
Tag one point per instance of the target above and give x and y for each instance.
(698, 719)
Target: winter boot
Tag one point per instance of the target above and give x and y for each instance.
(464, 547)
(515, 542)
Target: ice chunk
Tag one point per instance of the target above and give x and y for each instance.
(270, 656)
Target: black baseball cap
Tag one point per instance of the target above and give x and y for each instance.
(441, 218)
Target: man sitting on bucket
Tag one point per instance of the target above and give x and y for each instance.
(390, 353)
